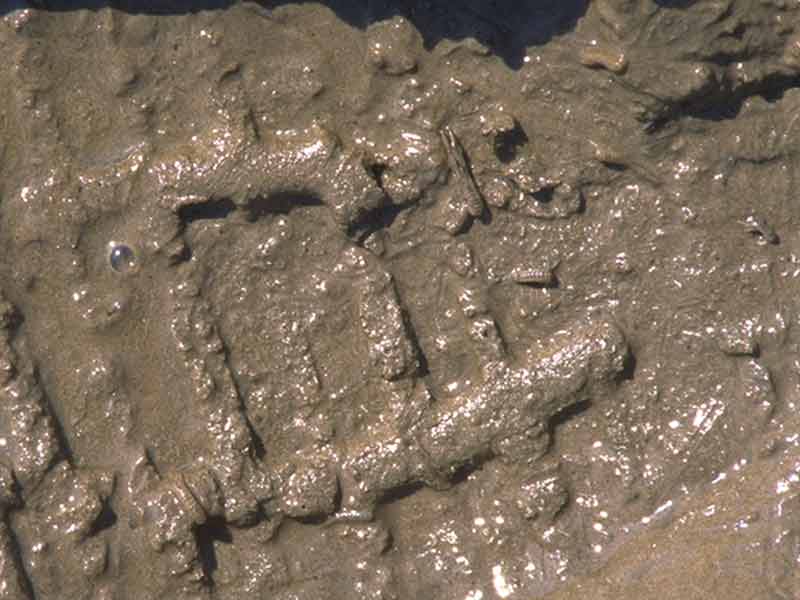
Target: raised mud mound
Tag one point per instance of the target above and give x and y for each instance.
(400, 300)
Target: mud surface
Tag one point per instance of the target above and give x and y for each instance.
(400, 300)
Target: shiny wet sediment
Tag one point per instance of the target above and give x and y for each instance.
(376, 300)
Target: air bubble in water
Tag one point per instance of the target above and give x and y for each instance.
(121, 257)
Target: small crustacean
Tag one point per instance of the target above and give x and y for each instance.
(457, 158)
(761, 229)
(541, 273)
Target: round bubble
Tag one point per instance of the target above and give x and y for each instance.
(121, 257)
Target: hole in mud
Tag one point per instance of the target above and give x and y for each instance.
(544, 196)
(628, 368)
(552, 283)
(318, 519)
(507, 144)
(212, 209)
(776, 91)
(185, 255)
(282, 203)
(376, 171)
(617, 167)
(214, 530)
(375, 220)
(105, 520)
(218, 209)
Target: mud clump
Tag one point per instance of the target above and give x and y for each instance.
(361, 300)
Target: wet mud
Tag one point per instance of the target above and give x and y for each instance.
(400, 300)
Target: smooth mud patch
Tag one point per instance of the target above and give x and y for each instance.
(399, 300)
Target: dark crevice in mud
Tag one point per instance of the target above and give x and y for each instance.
(318, 519)
(423, 367)
(486, 218)
(382, 217)
(27, 583)
(211, 209)
(399, 493)
(258, 444)
(254, 209)
(462, 473)
(544, 196)
(259, 449)
(105, 520)
(64, 448)
(725, 103)
(456, 475)
(376, 172)
(566, 414)
(214, 530)
(185, 255)
(777, 91)
(628, 368)
(553, 284)
(281, 203)
(616, 167)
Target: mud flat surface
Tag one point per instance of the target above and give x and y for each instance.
(400, 300)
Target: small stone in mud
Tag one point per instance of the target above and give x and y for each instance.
(121, 257)
(609, 58)
(499, 192)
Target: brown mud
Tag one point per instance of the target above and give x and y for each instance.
(400, 300)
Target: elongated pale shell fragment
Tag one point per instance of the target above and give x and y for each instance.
(458, 164)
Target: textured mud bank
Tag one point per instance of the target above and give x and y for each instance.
(400, 300)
